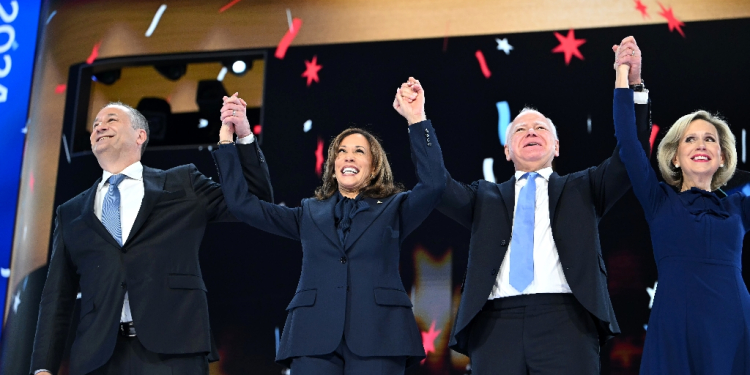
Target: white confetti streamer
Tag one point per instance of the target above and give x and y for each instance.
(156, 19)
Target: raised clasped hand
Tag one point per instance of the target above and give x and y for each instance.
(628, 53)
(409, 101)
(234, 116)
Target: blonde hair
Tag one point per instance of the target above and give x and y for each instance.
(669, 145)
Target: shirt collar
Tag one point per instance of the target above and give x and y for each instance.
(544, 172)
(133, 171)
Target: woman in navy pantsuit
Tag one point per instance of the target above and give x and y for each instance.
(700, 322)
(350, 314)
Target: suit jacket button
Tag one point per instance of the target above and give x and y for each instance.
(429, 144)
(503, 243)
(427, 130)
(342, 260)
(123, 285)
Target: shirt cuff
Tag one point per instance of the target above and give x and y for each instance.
(251, 138)
(42, 370)
(640, 97)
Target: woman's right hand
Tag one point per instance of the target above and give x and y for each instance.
(409, 101)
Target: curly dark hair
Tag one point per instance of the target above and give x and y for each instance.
(380, 186)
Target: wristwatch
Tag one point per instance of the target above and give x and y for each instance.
(639, 87)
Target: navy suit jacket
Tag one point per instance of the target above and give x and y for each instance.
(157, 265)
(577, 202)
(352, 289)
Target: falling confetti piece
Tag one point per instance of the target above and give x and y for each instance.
(202, 123)
(51, 15)
(502, 45)
(59, 89)
(503, 115)
(319, 157)
(257, 129)
(569, 46)
(5, 272)
(652, 138)
(229, 5)
(222, 74)
(288, 38)
(156, 19)
(428, 339)
(483, 64)
(672, 21)
(488, 169)
(307, 126)
(94, 53)
(311, 72)
(641, 8)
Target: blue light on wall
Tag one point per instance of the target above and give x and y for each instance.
(19, 22)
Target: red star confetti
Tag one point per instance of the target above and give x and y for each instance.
(641, 8)
(428, 338)
(626, 353)
(673, 22)
(229, 5)
(483, 64)
(287, 39)
(652, 138)
(257, 129)
(311, 72)
(569, 46)
(94, 53)
(319, 157)
(59, 89)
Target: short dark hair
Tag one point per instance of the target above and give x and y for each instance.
(380, 186)
(137, 121)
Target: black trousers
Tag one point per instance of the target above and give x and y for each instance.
(343, 362)
(131, 358)
(534, 334)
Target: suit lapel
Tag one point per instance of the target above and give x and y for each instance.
(153, 185)
(556, 185)
(89, 217)
(362, 221)
(322, 216)
(508, 192)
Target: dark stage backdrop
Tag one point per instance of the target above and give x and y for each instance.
(251, 276)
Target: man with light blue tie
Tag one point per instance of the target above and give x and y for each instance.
(130, 245)
(534, 298)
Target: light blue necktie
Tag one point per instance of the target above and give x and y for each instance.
(522, 240)
(111, 208)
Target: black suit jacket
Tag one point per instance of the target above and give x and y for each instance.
(576, 203)
(157, 265)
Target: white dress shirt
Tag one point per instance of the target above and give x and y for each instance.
(548, 272)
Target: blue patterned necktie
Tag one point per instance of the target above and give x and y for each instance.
(111, 208)
(522, 240)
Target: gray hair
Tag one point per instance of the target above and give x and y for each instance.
(671, 142)
(524, 111)
(137, 120)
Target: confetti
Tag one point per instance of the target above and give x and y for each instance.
(652, 138)
(503, 115)
(94, 53)
(319, 157)
(428, 339)
(502, 45)
(569, 46)
(229, 5)
(54, 12)
(673, 22)
(257, 129)
(641, 8)
(311, 72)
(488, 169)
(156, 19)
(222, 74)
(483, 64)
(288, 38)
(307, 126)
(59, 89)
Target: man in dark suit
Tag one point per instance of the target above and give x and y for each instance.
(535, 296)
(130, 245)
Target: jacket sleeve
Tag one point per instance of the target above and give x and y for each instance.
(609, 181)
(246, 206)
(56, 306)
(257, 179)
(428, 161)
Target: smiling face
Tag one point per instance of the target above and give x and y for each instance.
(699, 153)
(113, 136)
(531, 144)
(353, 166)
